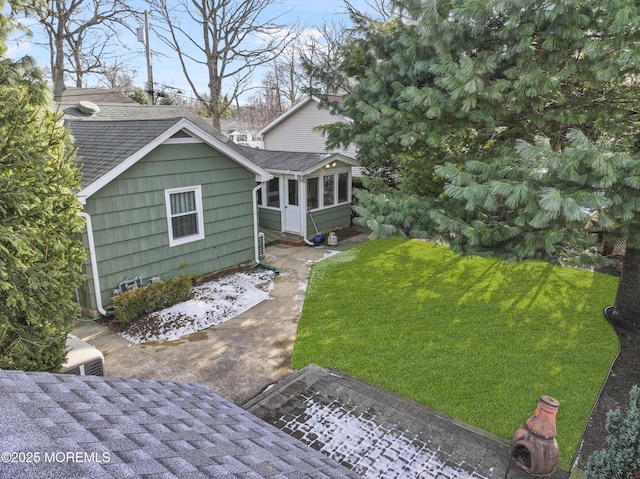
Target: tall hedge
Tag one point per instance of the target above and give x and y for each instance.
(41, 254)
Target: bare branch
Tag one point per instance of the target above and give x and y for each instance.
(230, 37)
(80, 34)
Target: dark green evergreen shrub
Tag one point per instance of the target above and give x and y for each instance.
(154, 297)
(622, 458)
(41, 255)
(129, 305)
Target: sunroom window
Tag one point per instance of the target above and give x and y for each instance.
(313, 192)
(273, 193)
(343, 188)
(184, 215)
(329, 190)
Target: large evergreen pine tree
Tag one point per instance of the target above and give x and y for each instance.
(40, 251)
(526, 110)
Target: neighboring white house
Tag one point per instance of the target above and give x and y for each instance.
(295, 130)
(240, 133)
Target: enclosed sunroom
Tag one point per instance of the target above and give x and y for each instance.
(309, 192)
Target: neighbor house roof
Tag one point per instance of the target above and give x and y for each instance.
(89, 426)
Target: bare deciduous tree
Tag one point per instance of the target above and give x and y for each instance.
(82, 36)
(228, 38)
(117, 76)
(320, 55)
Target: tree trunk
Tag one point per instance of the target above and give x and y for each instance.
(58, 66)
(627, 307)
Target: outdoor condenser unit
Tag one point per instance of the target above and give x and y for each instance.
(82, 358)
(261, 245)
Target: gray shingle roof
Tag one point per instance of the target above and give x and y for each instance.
(134, 111)
(285, 160)
(102, 427)
(108, 138)
(73, 95)
(103, 145)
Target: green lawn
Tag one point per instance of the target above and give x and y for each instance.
(475, 338)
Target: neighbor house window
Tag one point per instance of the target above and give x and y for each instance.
(184, 215)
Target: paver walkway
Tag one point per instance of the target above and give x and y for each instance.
(381, 435)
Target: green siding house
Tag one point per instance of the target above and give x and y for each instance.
(163, 193)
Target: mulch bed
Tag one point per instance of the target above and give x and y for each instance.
(348, 232)
(146, 323)
(624, 374)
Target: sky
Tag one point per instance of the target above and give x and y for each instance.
(165, 67)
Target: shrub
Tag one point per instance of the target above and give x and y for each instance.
(41, 255)
(154, 297)
(622, 459)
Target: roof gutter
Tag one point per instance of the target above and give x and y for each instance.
(94, 263)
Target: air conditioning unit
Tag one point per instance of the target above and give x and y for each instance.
(82, 358)
(261, 245)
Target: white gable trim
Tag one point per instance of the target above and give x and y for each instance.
(330, 159)
(165, 138)
(298, 106)
(283, 116)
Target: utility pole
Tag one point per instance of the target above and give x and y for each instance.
(143, 36)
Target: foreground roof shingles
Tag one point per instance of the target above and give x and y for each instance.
(60, 425)
(104, 145)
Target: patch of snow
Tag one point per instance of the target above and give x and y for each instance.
(373, 451)
(213, 303)
(330, 253)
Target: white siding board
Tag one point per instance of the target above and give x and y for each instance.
(296, 132)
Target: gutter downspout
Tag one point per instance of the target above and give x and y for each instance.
(256, 250)
(309, 243)
(303, 225)
(94, 263)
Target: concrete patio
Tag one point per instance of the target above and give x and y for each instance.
(236, 359)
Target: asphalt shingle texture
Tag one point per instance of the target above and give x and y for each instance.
(117, 131)
(55, 426)
(104, 145)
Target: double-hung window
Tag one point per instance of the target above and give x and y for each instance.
(184, 215)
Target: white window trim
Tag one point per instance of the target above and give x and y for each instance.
(321, 205)
(200, 217)
(263, 203)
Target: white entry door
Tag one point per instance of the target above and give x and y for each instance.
(292, 206)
